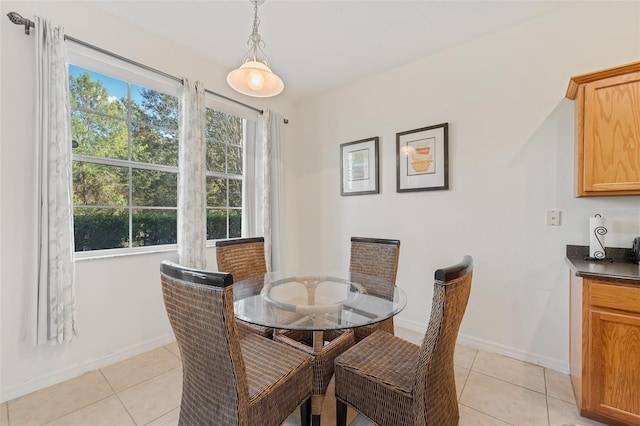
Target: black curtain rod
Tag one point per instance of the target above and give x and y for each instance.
(17, 19)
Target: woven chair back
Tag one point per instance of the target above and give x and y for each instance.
(375, 256)
(241, 257)
(434, 382)
(199, 305)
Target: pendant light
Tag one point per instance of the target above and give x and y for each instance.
(254, 77)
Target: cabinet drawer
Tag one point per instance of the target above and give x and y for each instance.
(615, 297)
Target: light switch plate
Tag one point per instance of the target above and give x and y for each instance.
(553, 217)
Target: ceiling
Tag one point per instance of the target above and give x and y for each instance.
(317, 45)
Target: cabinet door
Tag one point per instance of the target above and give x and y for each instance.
(614, 373)
(612, 135)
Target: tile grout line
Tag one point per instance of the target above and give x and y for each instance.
(99, 370)
(156, 418)
(546, 395)
(171, 352)
(510, 383)
(118, 396)
(149, 378)
(486, 414)
(70, 412)
(466, 379)
(78, 409)
(144, 381)
(464, 385)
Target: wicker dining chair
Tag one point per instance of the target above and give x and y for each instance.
(394, 382)
(226, 380)
(377, 257)
(243, 258)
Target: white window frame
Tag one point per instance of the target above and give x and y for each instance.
(93, 60)
(250, 118)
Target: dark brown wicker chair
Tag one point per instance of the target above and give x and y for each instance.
(394, 382)
(377, 257)
(226, 380)
(243, 258)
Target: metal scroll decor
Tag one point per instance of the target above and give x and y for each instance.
(597, 232)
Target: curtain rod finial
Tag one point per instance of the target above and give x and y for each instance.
(17, 19)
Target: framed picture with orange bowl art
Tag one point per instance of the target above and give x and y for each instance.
(422, 159)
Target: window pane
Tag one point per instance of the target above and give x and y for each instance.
(235, 193)
(235, 223)
(234, 160)
(96, 229)
(216, 224)
(100, 185)
(92, 91)
(223, 127)
(154, 145)
(152, 107)
(216, 192)
(154, 188)
(154, 227)
(98, 135)
(216, 156)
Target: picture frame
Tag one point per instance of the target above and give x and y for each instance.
(422, 159)
(359, 167)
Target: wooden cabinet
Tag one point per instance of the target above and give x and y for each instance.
(607, 131)
(605, 349)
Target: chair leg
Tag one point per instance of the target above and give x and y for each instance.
(305, 412)
(341, 413)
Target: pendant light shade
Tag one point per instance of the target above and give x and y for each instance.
(254, 77)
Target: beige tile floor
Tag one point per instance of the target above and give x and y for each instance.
(145, 390)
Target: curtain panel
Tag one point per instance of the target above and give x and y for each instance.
(263, 193)
(253, 172)
(56, 312)
(276, 190)
(192, 178)
(272, 192)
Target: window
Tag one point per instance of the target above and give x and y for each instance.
(125, 162)
(225, 135)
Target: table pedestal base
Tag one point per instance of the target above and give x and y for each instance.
(324, 355)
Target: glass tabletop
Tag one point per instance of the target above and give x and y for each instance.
(316, 301)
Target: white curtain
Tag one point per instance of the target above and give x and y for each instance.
(192, 179)
(274, 190)
(56, 314)
(264, 199)
(252, 217)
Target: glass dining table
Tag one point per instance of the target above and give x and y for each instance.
(316, 302)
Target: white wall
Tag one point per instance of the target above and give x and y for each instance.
(119, 302)
(511, 144)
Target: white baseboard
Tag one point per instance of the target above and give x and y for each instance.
(70, 372)
(493, 347)
(410, 325)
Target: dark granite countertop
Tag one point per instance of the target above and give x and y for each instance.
(621, 269)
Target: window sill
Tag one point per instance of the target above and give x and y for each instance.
(111, 253)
